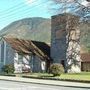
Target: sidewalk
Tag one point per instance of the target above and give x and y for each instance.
(46, 82)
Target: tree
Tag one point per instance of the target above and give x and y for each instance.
(74, 12)
(77, 7)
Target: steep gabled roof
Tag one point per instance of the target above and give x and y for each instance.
(41, 49)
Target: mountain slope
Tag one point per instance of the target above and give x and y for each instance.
(39, 29)
(29, 28)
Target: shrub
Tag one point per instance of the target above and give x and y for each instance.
(8, 68)
(56, 69)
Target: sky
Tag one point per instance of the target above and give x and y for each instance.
(13, 10)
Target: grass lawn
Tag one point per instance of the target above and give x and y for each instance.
(83, 76)
(76, 76)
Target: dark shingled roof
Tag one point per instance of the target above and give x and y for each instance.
(40, 49)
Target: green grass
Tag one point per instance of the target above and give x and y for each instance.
(84, 76)
(78, 76)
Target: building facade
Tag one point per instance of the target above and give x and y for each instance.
(65, 41)
(25, 55)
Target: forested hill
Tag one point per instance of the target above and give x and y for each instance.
(39, 29)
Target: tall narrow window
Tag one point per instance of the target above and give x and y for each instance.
(2, 51)
(20, 58)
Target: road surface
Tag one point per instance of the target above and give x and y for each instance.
(9, 85)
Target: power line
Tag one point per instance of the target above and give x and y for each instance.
(26, 10)
(19, 5)
(24, 13)
(13, 9)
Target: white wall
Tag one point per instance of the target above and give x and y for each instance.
(21, 65)
(17, 66)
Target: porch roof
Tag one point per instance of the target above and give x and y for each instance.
(41, 49)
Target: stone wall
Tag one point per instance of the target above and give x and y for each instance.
(65, 41)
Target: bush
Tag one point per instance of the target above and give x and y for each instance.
(56, 69)
(9, 68)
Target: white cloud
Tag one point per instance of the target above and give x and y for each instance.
(29, 1)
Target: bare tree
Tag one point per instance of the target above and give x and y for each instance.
(74, 12)
(77, 7)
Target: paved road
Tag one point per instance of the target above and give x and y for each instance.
(8, 85)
